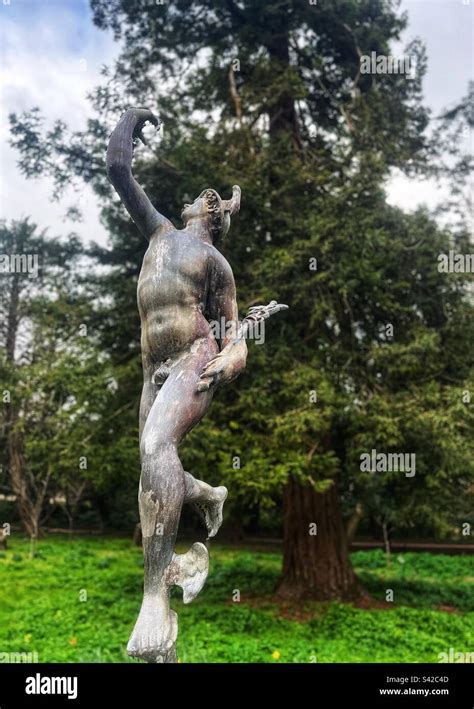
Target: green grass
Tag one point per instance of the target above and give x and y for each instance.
(41, 608)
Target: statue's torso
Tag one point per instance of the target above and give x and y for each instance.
(172, 293)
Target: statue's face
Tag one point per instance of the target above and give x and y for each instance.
(200, 207)
(209, 206)
(195, 210)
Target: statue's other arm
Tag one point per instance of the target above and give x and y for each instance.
(222, 307)
(119, 162)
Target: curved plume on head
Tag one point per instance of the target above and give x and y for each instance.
(233, 205)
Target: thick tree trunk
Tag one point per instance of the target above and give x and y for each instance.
(316, 561)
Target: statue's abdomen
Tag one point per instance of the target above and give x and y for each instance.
(171, 294)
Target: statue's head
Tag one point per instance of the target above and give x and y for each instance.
(214, 210)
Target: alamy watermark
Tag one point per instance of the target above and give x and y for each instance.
(223, 329)
(18, 657)
(374, 462)
(453, 262)
(387, 64)
(456, 657)
(41, 684)
(19, 263)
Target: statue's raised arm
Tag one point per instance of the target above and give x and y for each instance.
(119, 170)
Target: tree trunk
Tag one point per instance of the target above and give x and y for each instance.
(282, 115)
(3, 539)
(73, 494)
(26, 508)
(137, 535)
(386, 543)
(354, 521)
(316, 561)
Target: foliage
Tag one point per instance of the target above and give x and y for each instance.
(41, 610)
(60, 383)
(311, 141)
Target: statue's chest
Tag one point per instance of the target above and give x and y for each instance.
(170, 269)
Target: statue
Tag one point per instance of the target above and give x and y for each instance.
(184, 282)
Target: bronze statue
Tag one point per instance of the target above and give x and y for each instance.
(184, 283)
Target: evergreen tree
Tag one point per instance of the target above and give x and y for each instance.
(271, 96)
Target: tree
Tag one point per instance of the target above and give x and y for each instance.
(55, 379)
(277, 102)
(19, 241)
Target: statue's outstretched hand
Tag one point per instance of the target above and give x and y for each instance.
(143, 116)
(262, 312)
(228, 364)
(224, 367)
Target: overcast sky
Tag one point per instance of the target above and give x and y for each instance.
(51, 55)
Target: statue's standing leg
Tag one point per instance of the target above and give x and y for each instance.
(177, 408)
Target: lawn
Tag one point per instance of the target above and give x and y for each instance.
(76, 601)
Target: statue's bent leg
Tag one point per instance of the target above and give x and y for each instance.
(208, 501)
(176, 409)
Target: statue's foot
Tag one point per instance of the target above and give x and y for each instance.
(155, 632)
(211, 510)
(189, 571)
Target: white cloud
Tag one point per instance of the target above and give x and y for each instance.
(446, 29)
(51, 58)
(411, 193)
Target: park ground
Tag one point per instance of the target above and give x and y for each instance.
(76, 601)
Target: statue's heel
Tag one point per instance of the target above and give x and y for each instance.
(189, 571)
